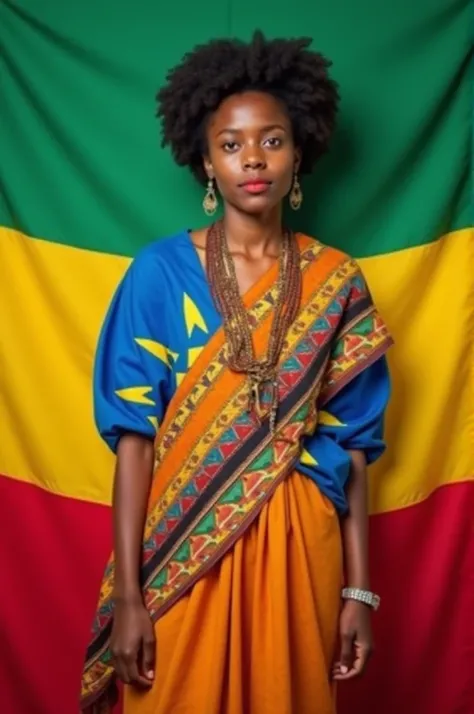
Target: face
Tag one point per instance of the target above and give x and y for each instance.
(251, 152)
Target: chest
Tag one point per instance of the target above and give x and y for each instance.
(249, 271)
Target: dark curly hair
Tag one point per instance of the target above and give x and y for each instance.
(211, 72)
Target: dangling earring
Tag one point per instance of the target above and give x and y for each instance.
(210, 201)
(296, 194)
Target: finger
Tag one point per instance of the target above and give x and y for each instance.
(339, 677)
(347, 652)
(363, 653)
(358, 666)
(133, 675)
(119, 668)
(148, 659)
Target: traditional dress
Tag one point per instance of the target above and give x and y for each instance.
(242, 554)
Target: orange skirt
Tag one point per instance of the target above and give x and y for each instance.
(257, 634)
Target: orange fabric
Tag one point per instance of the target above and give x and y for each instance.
(256, 635)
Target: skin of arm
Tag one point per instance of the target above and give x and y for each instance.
(133, 639)
(355, 629)
(133, 474)
(355, 526)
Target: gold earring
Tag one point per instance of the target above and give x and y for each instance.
(210, 201)
(296, 194)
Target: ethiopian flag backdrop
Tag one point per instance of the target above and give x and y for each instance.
(85, 185)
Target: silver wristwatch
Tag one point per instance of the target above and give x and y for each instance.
(365, 596)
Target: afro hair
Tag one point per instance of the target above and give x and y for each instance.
(284, 68)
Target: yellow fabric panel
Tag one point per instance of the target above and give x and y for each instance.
(53, 299)
(426, 295)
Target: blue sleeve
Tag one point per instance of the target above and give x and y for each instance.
(352, 420)
(131, 369)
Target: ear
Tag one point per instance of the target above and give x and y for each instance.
(297, 160)
(208, 167)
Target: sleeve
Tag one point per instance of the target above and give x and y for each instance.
(352, 420)
(354, 393)
(131, 368)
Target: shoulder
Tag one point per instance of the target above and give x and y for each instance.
(156, 258)
(149, 275)
(159, 251)
(342, 271)
(313, 248)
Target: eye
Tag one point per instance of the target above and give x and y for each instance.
(230, 146)
(273, 142)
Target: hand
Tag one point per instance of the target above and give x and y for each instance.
(133, 644)
(356, 640)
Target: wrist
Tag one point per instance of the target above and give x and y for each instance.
(357, 577)
(362, 596)
(128, 596)
(358, 583)
(356, 606)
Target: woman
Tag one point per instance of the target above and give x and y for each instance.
(240, 378)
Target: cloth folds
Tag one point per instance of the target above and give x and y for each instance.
(257, 633)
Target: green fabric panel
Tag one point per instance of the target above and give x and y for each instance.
(81, 161)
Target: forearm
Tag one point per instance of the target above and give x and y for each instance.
(355, 525)
(133, 474)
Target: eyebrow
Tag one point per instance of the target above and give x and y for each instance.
(264, 130)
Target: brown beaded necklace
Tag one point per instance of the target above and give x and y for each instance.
(225, 291)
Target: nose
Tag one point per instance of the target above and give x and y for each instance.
(254, 159)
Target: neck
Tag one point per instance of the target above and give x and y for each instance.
(253, 235)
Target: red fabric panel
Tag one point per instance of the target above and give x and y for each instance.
(423, 567)
(52, 558)
(52, 555)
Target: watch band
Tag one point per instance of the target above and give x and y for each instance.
(366, 596)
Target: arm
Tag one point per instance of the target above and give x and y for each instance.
(129, 388)
(351, 437)
(355, 621)
(355, 525)
(133, 473)
(348, 438)
(355, 626)
(132, 641)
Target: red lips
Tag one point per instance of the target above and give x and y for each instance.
(255, 185)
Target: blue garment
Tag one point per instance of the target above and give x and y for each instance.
(161, 317)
